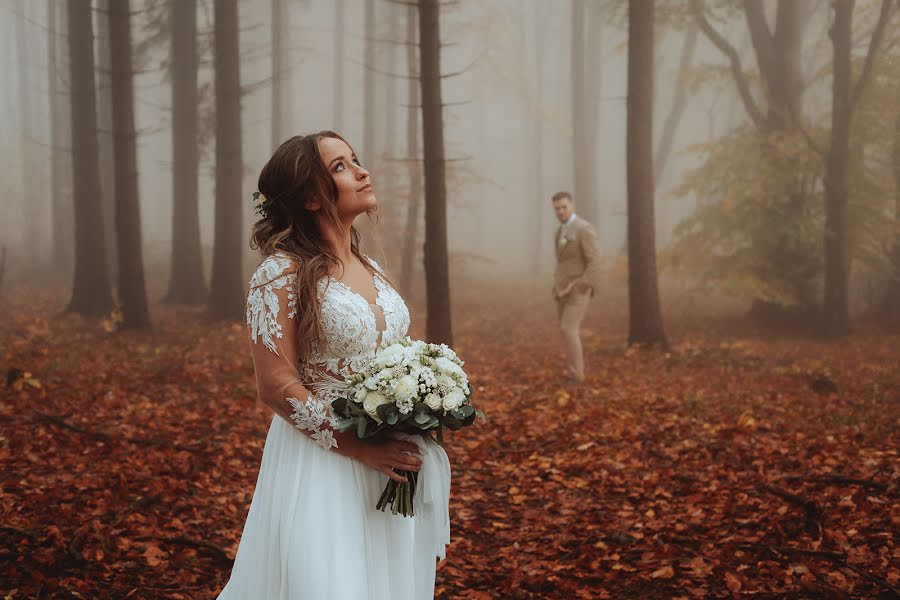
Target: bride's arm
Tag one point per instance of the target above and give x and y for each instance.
(272, 325)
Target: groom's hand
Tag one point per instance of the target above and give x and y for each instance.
(581, 288)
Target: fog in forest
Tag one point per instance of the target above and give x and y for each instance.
(513, 130)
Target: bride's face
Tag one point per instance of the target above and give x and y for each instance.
(355, 192)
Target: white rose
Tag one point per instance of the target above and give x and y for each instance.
(372, 402)
(454, 399)
(433, 401)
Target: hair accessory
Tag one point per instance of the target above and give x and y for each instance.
(259, 203)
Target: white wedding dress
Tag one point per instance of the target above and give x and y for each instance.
(313, 530)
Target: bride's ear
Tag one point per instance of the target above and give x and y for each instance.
(313, 205)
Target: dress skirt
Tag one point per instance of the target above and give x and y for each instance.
(313, 531)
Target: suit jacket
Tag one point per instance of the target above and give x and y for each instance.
(577, 258)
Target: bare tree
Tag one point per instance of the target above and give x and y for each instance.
(339, 58)
(226, 287)
(585, 35)
(679, 103)
(437, 276)
(844, 97)
(105, 133)
(187, 284)
(645, 317)
(280, 71)
(369, 103)
(891, 305)
(132, 290)
(536, 140)
(91, 292)
(30, 180)
(411, 229)
(60, 199)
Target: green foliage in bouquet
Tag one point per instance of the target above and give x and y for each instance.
(411, 388)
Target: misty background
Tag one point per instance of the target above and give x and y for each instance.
(514, 133)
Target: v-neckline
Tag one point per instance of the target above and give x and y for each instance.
(355, 293)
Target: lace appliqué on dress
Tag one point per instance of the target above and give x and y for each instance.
(310, 416)
(262, 302)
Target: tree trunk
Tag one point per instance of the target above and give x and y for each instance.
(339, 59)
(280, 71)
(645, 318)
(369, 102)
(437, 276)
(132, 291)
(187, 284)
(226, 299)
(105, 134)
(836, 315)
(91, 293)
(60, 198)
(411, 229)
(891, 308)
(32, 182)
(583, 108)
(542, 203)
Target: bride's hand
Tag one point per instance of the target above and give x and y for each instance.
(389, 455)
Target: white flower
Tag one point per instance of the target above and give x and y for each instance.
(454, 399)
(371, 382)
(445, 383)
(426, 375)
(372, 402)
(434, 401)
(406, 388)
(445, 365)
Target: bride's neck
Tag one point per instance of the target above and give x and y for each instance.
(340, 240)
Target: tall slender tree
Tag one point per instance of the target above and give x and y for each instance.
(132, 290)
(536, 139)
(60, 199)
(105, 133)
(339, 59)
(187, 284)
(844, 96)
(91, 292)
(369, 101)
(226, 287)
(584, 108)
(30, 181)
(280, 73)
(645, 316)
(437, 276)
(891, 303)
(414, 171)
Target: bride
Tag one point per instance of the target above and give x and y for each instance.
(317, 310)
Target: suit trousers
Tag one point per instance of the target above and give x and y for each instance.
(570, 310)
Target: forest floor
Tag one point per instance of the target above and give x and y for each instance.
(738, 464)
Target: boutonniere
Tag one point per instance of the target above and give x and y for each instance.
(563, 240)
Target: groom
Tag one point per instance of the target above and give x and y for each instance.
(577, 272)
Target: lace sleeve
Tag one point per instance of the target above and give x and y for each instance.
(271, 323)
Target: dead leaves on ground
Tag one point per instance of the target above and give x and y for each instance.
(729, 467)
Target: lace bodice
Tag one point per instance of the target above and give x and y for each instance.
(351, 330)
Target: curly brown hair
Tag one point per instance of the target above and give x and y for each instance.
(295, 175)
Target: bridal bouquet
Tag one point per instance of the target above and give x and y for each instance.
(410, 387)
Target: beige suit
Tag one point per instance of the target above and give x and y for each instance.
(577, 265)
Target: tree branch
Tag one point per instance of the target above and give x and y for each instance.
(736, 69)
(877, 37)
